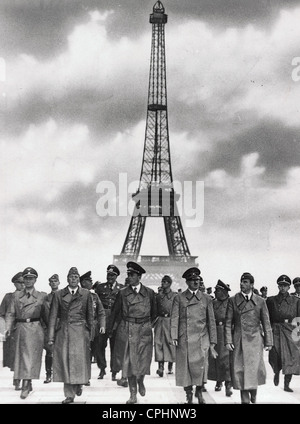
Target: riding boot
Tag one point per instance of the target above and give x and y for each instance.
(198, 394)
(189, 394)
(287, 380)
(160, 370)
(48, 366)
(140, 382)
(25, 389)
(218, 386)
(16, 383)
(170, 367)
(228, 386)
(132, 389)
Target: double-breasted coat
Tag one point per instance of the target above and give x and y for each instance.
(134, 314)
(164, 350)
(71, 350)
(28, 336)
(247, 326)
(193, 325)
(8, 344)
(219, 367)
(285, 352)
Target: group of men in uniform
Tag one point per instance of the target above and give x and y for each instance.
(219, 338)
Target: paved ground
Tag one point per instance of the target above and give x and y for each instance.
(159, 391)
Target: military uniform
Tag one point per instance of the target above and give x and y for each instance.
(107, 294)
(283, 308)
(296, 282)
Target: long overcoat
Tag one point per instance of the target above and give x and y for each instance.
(285, 352)
(193, 325)
(8, 344)
(134, 314)
(28, 336)
(71, 350)
(219, 368)
(247, 326)
(164, 350)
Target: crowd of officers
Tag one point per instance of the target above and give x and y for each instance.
(219, 338)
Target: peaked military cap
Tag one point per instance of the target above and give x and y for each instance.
(192, 274)
(17, 277)
(134, 267)
(296, 281)
(247, 276)
(86, 276)
(263, 288)
(223, 286)
(112, 269)
(284, 279)
(167, 278)
(29, 272)
(73, 270)
(54, 277)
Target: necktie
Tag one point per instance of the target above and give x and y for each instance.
(28, 295)
(247, 298)
(135, 290)
(73, 292)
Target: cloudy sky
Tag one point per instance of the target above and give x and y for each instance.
(73, 101)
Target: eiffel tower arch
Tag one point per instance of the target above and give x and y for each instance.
(155, 197)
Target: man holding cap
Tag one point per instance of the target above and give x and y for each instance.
(284, 355)
(25, 312)
(163, 348)
(193, 331)
(219, 367)
(73, 306)
(107, 293)
(136, 307)
(246, 316)
(9, 343)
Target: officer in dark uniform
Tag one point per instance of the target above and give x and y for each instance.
(296, 283)
(107, 293)
(284, 355)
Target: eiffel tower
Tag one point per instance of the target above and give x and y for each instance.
(155, 196)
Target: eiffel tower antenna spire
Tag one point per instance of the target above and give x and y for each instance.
(156, 180)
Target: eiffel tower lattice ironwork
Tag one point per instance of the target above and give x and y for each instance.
(155, 196)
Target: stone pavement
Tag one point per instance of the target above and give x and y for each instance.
(160, 390)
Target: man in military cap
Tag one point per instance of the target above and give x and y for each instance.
(296, 283)
(73, 306)
(107, 293)
(246, 316)
(9, 343)
(136, 307)
(209, 292)
(99, 314)
(54, 284)
(26, 313)
(264, 292)
(193, 331)
(219, 367)
(163, 348)
(284, 355)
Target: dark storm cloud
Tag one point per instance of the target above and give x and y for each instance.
(40, 27)
(278, 147)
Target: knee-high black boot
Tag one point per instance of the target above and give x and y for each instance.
(48, 366)
(160, 370)
(189, 394)
(141, 386)
(287, 380)
(25, 389)
(132, 389)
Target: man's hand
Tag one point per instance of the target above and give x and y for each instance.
(230, 346)
(175, 342)
(102, 330)
(213, 352)
(267, 348)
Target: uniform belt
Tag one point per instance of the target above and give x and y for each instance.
(27, 319)
(137, 320)
(283, 321)
(164, 315)
(219, 322)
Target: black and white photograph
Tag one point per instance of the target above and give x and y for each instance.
(149, 204)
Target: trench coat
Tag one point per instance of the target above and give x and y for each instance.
(285, 352)
(164, 350)
(219, 368)
(8, 344)
(133, 314)
(28, 336)
(193, 325)
(71, 349)
(247, 326)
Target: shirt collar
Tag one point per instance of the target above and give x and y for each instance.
(74, 290)
(249, 294)
(138, 287)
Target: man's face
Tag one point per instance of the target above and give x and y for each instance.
(54, 283)
(111, 277)
(73, 280)
(246, 285)
(29, 281)
(87, 284)
(220, 294)
(165, 285)
(297, 288)
(19, 284)
(264, 292)
(283, 288)
(133, 278)
(193, 284)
